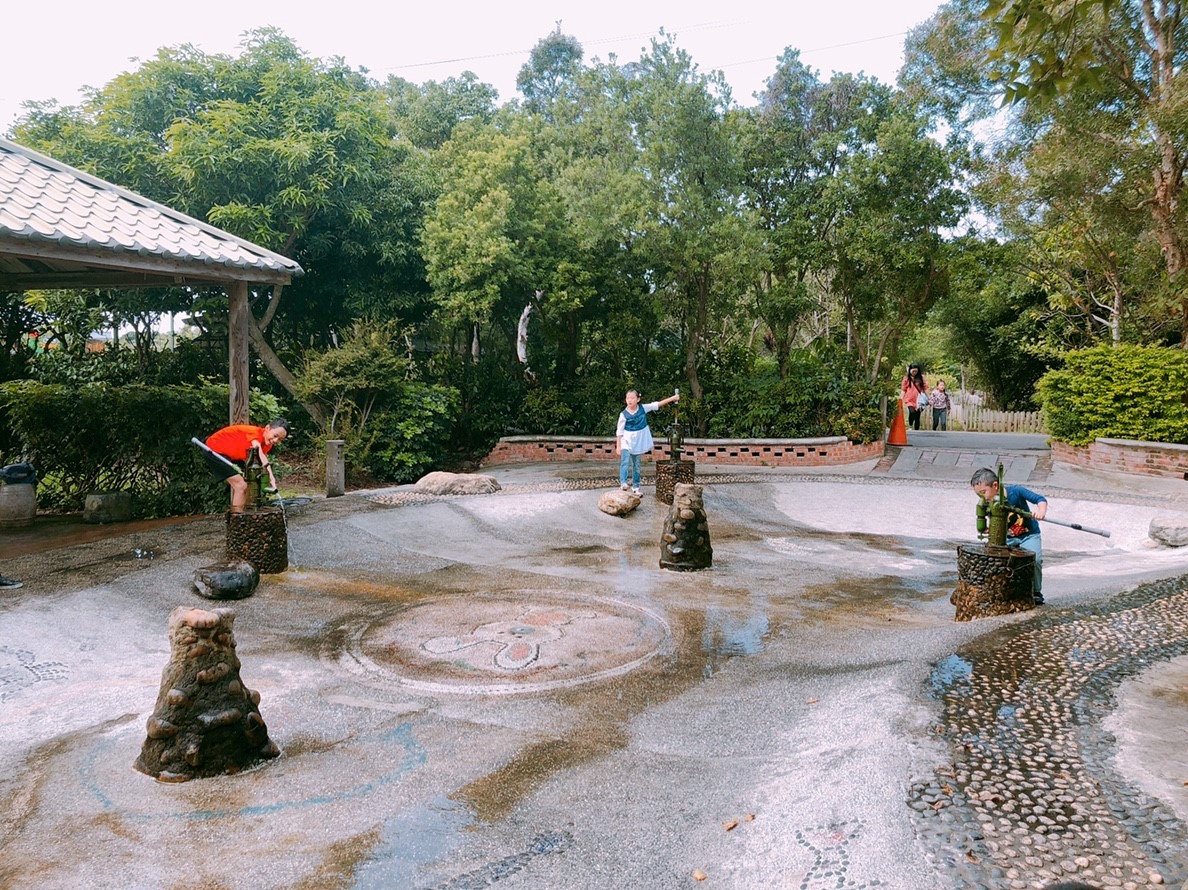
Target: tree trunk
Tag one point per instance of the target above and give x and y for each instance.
(278, 370)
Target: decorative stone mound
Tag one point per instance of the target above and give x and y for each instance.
(1169, 530)
(993, 581)
(206, 722)
(456, 483)
(669, 474)
(226, 581)
(685, 544)
(618, 503)
(259, 536)
(108, 506)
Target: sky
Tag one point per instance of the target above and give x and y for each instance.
(50, 52)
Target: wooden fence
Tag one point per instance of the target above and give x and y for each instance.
(975, 418)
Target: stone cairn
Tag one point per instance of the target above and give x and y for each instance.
(206, 722)
(260, 536)
(685, 545)
(993, 580)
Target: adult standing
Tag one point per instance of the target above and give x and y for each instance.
(914, 393)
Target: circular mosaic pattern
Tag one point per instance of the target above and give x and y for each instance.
(491, 643)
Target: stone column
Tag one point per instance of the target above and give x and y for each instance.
(685, 545)
(993, 581)
(335, 468)
(206, 722)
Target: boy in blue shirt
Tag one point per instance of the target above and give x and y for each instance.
(1023, 531)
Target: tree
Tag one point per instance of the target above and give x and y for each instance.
(1103, 76)
(700, 248)
(795, 143)
(896, 197)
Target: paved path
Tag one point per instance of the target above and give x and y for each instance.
(804, 714)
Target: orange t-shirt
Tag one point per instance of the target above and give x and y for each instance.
(236, 440)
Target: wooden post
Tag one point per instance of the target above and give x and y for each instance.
(237, 351)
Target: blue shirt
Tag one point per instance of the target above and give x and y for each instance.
(1021, 498)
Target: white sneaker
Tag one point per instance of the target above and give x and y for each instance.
(635, 491)
(624, 487)
(9, 583)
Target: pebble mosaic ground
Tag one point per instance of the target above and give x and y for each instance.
(1031, 795)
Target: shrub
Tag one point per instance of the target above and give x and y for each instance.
(1122, 392)
(98, 437)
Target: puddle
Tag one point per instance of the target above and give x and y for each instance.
(138, 553)
(411, 840)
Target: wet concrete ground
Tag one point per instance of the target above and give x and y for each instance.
(507, 691)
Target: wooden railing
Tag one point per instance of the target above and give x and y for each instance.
(975, 418)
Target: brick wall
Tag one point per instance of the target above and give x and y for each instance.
(747, 452)
(1127, 456)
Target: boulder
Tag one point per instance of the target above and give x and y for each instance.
(108, 506)
(226, 581)
(456, 483)
(1171, 530)
(618, 503)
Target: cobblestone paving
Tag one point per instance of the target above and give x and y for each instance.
(1031, 795)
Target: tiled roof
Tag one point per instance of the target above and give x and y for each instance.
(52, 212)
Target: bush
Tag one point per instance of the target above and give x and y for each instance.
(409, 439)
(97, 437)
(1122, 392)
(821, 396)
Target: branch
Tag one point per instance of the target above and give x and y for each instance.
(282, 374)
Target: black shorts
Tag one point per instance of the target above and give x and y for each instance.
(218, 468)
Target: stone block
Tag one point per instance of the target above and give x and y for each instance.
(108, 506)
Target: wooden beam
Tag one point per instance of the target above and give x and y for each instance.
(237, 351)
(108, 260)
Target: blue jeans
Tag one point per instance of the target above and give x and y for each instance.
(1032, 542)
(629, 461)
(940, 418)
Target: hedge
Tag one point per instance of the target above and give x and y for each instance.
(101, 437)
(1122, 392)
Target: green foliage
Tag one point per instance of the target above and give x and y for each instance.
(818, 397)
(410, 438)
(1126, 392)
(97, 437)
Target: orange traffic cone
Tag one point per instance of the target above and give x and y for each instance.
(898, 434)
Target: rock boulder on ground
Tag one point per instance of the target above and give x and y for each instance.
(456, 483)
(1170, 529)
(618, 503)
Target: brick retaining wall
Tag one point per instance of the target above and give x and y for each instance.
(822, 452)
(1127, 456)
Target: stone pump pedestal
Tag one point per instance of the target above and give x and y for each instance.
(993, 579)
(260, 534)
(674, 470)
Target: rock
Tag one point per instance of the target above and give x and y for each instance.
(1170, 529)
(456, 483)
(226, 581)
(618, 503)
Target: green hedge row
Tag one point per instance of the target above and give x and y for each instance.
(1122, 392)
(99, 437)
